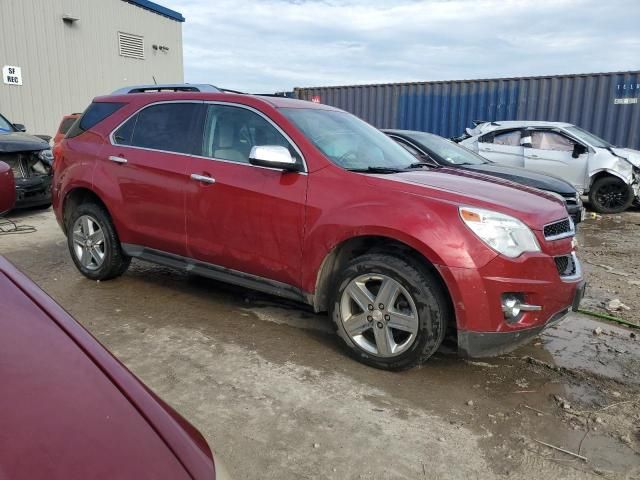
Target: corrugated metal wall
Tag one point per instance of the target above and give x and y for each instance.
(601, 103)
(65, 65)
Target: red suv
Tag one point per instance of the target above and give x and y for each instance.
(308, 202)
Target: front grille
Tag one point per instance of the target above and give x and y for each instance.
(571, 198)
(566, 265)
(557, 229)
(14, 160)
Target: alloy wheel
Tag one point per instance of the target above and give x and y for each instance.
(612, 196)
(88, 242)
(379, 315)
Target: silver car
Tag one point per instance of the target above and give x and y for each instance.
(610, 176)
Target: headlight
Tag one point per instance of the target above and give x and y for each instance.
(506, 235)
(46, 156)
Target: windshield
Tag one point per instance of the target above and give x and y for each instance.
(5, 125)
(588, 137)
(348, 141)
(446, 150)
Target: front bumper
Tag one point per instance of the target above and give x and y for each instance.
(477, 296)
(491, 344)
(33, 191)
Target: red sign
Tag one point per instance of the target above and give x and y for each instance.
(315, 99)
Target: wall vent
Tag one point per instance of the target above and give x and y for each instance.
(130, 45)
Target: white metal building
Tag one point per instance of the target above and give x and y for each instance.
(56, 55)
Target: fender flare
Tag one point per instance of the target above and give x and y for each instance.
(613, 173)
(69, 191)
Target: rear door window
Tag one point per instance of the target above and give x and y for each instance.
(168, 127)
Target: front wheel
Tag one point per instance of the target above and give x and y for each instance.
(391, 313)
(610, 195)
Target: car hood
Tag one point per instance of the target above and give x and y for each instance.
(633, 156)
(21, 142)
(534, 207)
(522, 176)
(74, 408)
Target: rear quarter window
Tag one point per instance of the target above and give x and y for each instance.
(94, 114)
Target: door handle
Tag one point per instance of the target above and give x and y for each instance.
(120, 160)
(534, 156)
(202, 178)
(487, 149)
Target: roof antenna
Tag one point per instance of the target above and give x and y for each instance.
(154, 79)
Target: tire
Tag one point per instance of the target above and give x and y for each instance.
(106, 247)
(610, 195)
(427, 299)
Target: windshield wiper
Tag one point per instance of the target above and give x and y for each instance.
(376, 170)
(422, 165)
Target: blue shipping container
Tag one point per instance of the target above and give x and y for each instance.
(607, 104)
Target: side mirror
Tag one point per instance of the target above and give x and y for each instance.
(7, 188)
(578, 149)
(20, 127)
(273, 156)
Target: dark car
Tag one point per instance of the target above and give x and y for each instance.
(443, 152)
(30, 158)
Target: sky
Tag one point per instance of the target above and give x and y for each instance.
(264, 46)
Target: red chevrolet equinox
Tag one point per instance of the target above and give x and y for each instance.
(310, 203)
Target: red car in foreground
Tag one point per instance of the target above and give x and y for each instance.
(308, 202)
(7, 188)
(69, 409)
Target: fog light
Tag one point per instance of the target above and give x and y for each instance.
(510, 307)
(513, 305)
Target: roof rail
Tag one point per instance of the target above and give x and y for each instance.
(168, 87)
(479, 122)
(228, 90)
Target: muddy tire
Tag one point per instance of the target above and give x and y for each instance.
(610, 195)
(94, 244)
(390, 312)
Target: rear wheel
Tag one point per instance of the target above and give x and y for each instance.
(391, 313)
(93, 243)
(610, 195)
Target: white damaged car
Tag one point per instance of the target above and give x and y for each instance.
(610, 176)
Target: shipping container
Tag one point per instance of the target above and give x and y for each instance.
(607, 104)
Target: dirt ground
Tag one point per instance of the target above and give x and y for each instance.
(609, 247)
(269, 386)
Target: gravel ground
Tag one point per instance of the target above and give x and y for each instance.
(269, 386)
